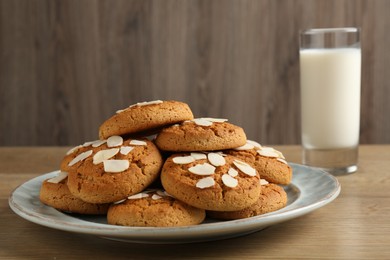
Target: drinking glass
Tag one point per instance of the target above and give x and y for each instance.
(330, 68)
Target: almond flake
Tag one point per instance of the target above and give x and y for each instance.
(146, 103)
(98, 143)
(88, 143)
(263, 182)
(268, 153)
(280, 154)
(102, 155)
(246, 146)
(255, 144)
(138, 196)
(165, 193)
(116, 165)
(95, 143)
(205, 183)
(216, 120)
(202, 122)
(125, 150)
(60, 177)
(183, 159)
(232, 172)
(271, 152)
(282, 160)
(161, 193)
(119, 201)
(199, 156)
(202, 169)
(74, 149)
(114, 141)
(137, 142)
(156, 197)
(80, 157)
(229, 181)
(216, 159)
(245, 168)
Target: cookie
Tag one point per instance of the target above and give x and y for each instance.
(145, 117)
(154, 208)
(201, 134)
(211, 181)
(269, 162)
(109, 170)
(272, 198)
(55, 193)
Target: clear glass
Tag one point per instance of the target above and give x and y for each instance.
(330, 71)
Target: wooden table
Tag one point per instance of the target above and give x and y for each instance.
(354, 226)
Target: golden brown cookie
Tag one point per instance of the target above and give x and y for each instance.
(201, 134)
(145, 117)
(212, 181)
(154, 208)
(110, 171)
(273, 197)
(55, 193)
(269, 162)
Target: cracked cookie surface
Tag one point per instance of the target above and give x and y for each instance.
(270, 164)
(272, 198)
(145, 117)
(112, 171)
(58, 196)
(154, 209)
(208, 184)
(191, 136)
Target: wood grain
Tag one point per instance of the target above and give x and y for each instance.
(354, 226)
(65, 66)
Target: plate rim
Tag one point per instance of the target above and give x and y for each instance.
(165, 234)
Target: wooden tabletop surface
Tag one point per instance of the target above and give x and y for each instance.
(354, 226)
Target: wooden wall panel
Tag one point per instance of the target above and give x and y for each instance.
(65, 66)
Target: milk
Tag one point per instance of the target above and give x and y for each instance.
(330, 97)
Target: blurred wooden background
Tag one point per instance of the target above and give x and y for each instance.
(65, 66)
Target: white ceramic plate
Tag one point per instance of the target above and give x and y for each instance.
(310, 189)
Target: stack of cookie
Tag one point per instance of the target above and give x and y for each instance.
(189, 169)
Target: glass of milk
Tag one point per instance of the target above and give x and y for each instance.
(330, 66)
